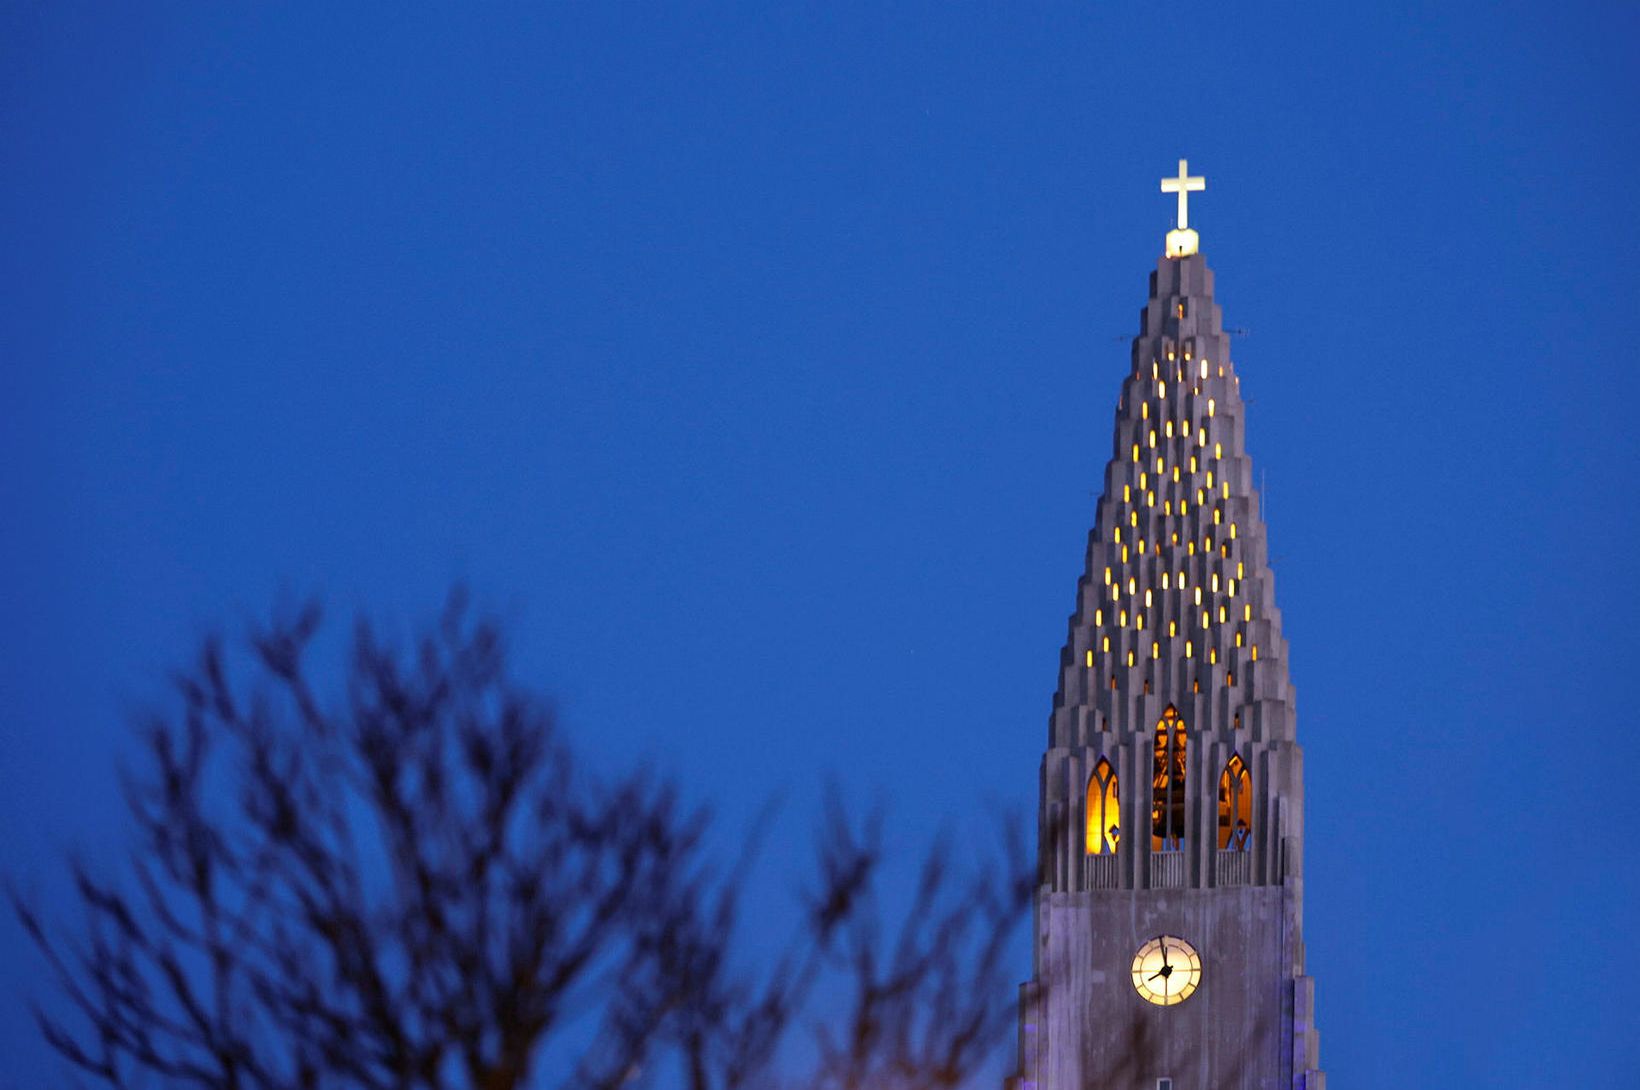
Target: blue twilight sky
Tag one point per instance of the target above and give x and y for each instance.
(759, 362)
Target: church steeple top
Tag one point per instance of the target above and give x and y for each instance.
(1182, 241)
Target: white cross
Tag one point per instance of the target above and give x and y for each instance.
(1184, 185)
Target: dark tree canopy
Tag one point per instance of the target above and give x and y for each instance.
(411, 883)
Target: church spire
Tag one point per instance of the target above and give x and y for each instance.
(1169, 917)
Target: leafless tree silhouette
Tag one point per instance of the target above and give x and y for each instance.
(414, 885)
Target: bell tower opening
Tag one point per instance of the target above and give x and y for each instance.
(1167, 784)
(1235, 805)
(1104, 812)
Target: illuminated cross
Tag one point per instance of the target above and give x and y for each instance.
(1182, 241)
(1184, 185)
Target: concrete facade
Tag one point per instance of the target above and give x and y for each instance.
(1175, 610)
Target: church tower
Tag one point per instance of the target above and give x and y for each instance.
(1168, 943)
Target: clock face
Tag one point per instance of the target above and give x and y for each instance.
(1166, 970)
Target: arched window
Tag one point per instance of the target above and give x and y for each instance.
(1104, 815)
(1167, 784)
(1235, 806)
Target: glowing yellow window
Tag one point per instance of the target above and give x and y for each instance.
(1155, 650)
(1098, 617)
(1090, 656)
(1241, 571)
(1247, 612)
(1221, 613)
(1133, 585)
(1184, 427)
(1158, 463)
(1106, 645)
(1167, 429)
(1184, 507)
(1221, 370)
(1154, 369)
(1150, 499)
(1255, 652)
(1204, 369)
(1113, 594)
(1212, 406)
(1141, 546)
(1152, 436)
(1218, 450)
(1124, 554)
(1104, 826)
(1201, 495)
(1218, 514)
(1122, 618)
(1161, 387)
(1198, 596)
(1191, 551)
(1144, 411)
(1182, 579)
(1173, 628)
(1133, 518)
(1107, 577)
(1175, 539)
(1130, 661)
(1147, 597)
(1232, 588)
(1232, 531)
(1175, 474)
(1139, 620)
(1235, 806)
(1116, 535)
(1238, 639)
(1189, 650)
(1167, 507)
(1213, 656)
(1164, 580)
(1210, 478)
(1136, 452)
(1215, 582)
(1127, 494)
(1204, 620)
